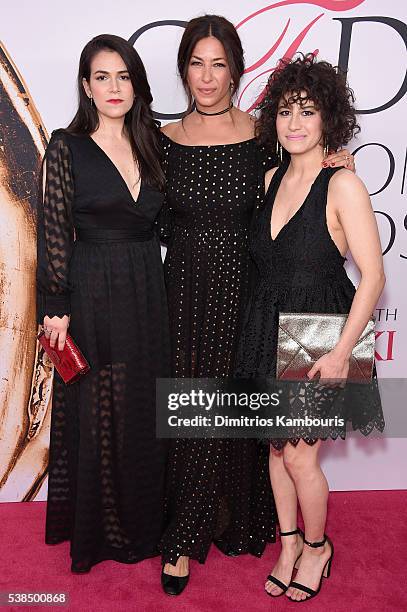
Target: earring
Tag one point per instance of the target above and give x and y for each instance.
(326, 149)
(91, 100)
(231, 86)
(279, 151)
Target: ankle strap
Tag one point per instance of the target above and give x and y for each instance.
(316, 544)
(288, 533)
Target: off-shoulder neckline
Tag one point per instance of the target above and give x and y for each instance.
(204, 146)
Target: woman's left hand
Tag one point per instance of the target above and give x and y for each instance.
(332, 369)
(342, 158)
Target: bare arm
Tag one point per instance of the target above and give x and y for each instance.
(348, 198)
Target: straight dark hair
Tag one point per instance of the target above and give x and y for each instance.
(141, 127)
(220, 28)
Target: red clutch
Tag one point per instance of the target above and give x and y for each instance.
(69, 363)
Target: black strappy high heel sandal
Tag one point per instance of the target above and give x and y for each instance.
(325, 572)
(276, 581)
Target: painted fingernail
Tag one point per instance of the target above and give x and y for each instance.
(324, 164)
(332, 164)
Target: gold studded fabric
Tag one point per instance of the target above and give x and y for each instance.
(217, 489)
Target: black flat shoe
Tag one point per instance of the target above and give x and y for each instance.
(173, 585)
(80, 568)
(276, 581)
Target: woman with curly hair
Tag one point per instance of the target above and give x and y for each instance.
(299, 239)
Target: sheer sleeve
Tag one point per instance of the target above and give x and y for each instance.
(164, 219)
(55, 232)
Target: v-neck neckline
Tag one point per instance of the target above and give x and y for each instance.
(297, 212)
(118, 172)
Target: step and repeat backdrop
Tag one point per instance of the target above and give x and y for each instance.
(40, 47)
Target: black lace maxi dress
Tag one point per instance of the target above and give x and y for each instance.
(106, 467)
(301, 270)
(217, 489)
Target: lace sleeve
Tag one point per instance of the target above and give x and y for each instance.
(55, 233)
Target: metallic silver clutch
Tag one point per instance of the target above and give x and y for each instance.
(304, 337)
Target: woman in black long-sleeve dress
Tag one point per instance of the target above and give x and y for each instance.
(99, 263)
(216, 488)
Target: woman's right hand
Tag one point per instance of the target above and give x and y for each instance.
(55, 329)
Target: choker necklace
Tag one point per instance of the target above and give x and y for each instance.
(222, 112)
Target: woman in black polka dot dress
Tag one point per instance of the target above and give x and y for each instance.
(217, 489)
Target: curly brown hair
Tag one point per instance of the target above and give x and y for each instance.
(304, 79)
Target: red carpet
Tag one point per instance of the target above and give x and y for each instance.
(369, 531)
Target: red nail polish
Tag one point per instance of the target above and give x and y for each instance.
(332, 164)
(324, 164)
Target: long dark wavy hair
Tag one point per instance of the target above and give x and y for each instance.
(141, 127)
(304, 79)
(220, 28)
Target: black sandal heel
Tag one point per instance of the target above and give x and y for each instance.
(276, 581)
(326, 572)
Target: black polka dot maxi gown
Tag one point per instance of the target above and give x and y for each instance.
(106, 467)
(217, 490)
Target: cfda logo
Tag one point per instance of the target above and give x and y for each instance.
(284, 46)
